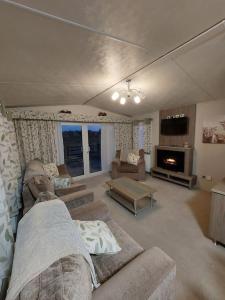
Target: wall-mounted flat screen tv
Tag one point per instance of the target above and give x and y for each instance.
(175, 126)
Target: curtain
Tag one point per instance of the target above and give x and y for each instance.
(142, 135)
(123, 136)
(10, 169)
(6, 237)
(36, 139)
(147, 135)
(10, 184)
(107, 146)
(136, 143)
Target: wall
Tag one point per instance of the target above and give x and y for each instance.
(179, 140)
(209, 158)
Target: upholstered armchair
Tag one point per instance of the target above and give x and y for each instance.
(121, 168)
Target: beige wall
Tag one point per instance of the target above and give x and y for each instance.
(209, 158)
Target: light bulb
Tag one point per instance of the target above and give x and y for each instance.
(137, 99)
(122, 100)
(115, 96)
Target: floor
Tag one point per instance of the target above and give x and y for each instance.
(177, 224)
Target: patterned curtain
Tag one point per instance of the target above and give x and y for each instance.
(10, 169)
(123, 136)
(142, 135)
(147, 135)
(36, 139)
(10, 184)
(136, 135)
(6, 237)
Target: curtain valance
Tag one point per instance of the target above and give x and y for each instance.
(81, 118)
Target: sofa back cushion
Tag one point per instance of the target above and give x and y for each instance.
(51, 170)
(40, 184)
(133, 159)
(33, 168)
(67, 279)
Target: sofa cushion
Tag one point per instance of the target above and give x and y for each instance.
(51, 170)
(133, 159)
(127, 168)
(97, 237)
(45, 196)
(67, 279)
(40, 184)
(61, 182)
(33, 168)
(107, 265)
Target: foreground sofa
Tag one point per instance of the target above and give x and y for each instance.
(36, 181)
(133, 273)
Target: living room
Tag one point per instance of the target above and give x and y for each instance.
(114, 111)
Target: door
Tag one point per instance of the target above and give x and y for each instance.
(82, 148)
(94, 143)
(73, 149)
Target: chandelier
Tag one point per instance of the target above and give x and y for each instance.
(127, 94)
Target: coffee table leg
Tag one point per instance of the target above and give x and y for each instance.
(135, 209)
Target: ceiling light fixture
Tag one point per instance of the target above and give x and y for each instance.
(127, 94)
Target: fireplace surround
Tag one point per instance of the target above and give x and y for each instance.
(174, 164)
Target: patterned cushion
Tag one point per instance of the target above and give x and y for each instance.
(67, 279)
(61, 182)
(123, 155)
(45, 196)
(51, 170)
(133, 158)
(98, 238)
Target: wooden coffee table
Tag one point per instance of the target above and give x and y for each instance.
(132, 194)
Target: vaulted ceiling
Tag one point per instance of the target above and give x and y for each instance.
(80, 51)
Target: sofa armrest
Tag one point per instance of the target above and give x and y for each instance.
(96, 210)
(141, 162)
(75, 187)
(116, 162)
(149, 276)
(78, 198)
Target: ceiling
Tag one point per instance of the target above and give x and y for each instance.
(79, 52)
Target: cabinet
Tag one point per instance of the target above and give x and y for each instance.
(217, 214)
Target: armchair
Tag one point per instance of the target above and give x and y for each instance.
(124, 169)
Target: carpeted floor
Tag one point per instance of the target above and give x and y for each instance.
(177, 224)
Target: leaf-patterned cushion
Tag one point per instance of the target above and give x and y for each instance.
(61, 182)
(51, 170)
(133, 159)
(98, 238)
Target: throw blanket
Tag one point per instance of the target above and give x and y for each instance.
(45, 234)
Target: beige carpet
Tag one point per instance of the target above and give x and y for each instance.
(177, 224)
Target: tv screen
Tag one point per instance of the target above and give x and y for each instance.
(174, 126)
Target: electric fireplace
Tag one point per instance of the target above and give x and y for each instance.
(174, 159)
(171, 160)
(174, 164)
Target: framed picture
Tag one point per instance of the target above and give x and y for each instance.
(214, 132)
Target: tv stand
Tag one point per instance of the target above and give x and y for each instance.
(174, 164)
(175, 177)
